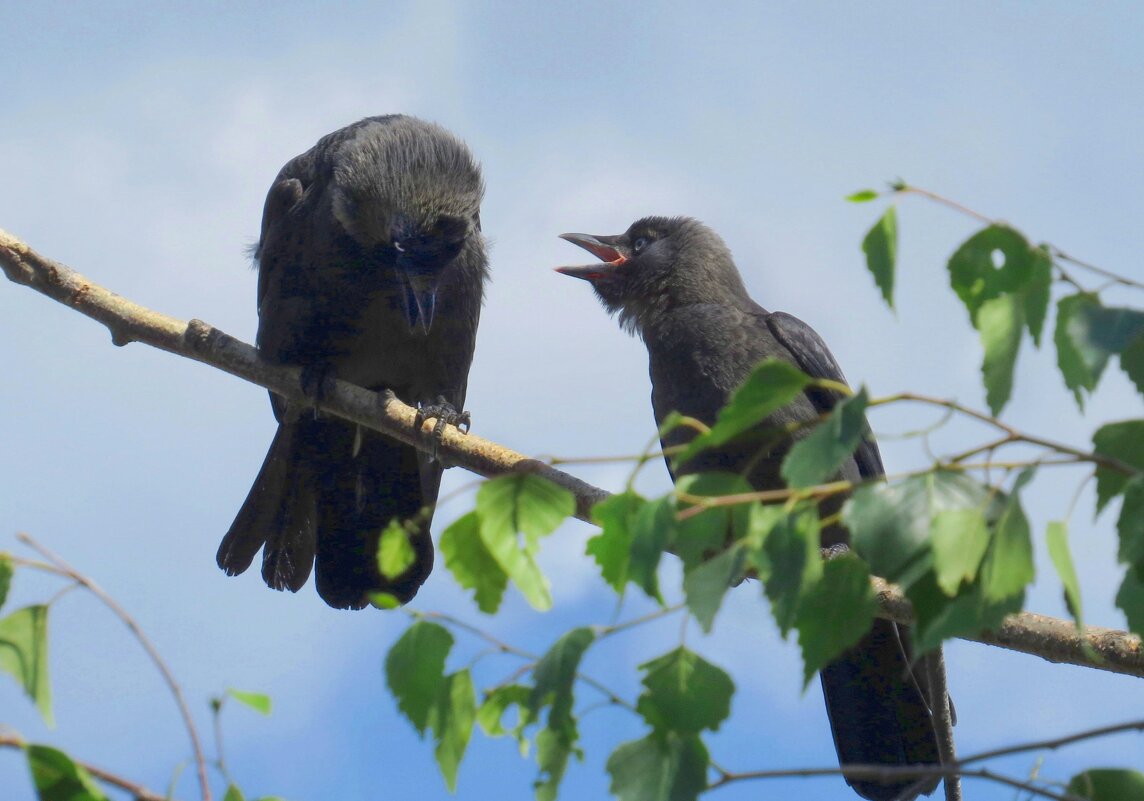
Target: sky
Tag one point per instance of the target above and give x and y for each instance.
(139, 140)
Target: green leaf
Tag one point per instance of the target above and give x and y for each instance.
(492, 710)
(531, 506)
(1130, 524)
(770, 386)
(671, 768)
(259, 702)
(610, 548)
(233, 793)
(451, 719)
(1132, 361)
(1130, 599)
(709, 532)
(58, 778)
(652, 530)
(999, 320)
(818, 456)
(788, 560)
(862, 196)
(890, 523)
(24, 654)
(415, 670)
(555, 674)
(554, 677)
(835, 613)
(5, 576)
(881, 248)
(705, 585)
(1088, 333)
(1057, 536)
(1124, 442)
(976, 277)
(684, 693)
(553, 747)
(1036, 292)
(1080, 362)
(1108, 784)
(940, 617)
(958, 538)
(471, 564)
(1007, 567)
(525, 503)
(394, 553)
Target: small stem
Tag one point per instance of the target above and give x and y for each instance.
(137, 791)
(148, 646)
(616, 628)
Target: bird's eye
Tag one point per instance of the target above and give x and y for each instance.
(640, 244)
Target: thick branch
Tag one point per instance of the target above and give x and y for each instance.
(1049, 638)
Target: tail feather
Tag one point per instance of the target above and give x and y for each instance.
(359, 499)
(259, 516)
(878, 712)
(323, 498)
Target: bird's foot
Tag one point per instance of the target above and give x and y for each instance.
(444, 413)
(317, 382)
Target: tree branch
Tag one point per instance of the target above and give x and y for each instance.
(1050, 638)
(137, 791)
(148, 646)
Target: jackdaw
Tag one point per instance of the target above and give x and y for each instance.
(371, 267)
(672, 281)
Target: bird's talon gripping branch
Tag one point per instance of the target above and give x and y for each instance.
(316, 380)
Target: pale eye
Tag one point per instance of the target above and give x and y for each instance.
(640, 244)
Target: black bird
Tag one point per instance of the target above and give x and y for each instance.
(371, 267)
(672, 281)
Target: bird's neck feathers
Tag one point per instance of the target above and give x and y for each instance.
(710, 282)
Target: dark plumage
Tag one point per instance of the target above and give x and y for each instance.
(672, 281)
(371, 268)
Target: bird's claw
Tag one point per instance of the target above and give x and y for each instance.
(444, 413)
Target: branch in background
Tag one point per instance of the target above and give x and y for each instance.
(148, 646)
(1058, 255)
(1050, 638)
(137, 791)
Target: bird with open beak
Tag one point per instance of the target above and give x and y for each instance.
(673, 282)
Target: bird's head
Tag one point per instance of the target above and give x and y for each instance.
(411, 206)
(657, 264)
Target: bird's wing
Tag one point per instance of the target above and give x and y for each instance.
(815, 359)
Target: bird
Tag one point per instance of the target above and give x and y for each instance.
(672, 281)
(371, 269)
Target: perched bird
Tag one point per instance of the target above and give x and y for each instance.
(371, 267)
(672, 281)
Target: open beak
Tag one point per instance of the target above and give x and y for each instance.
(420, 300)
(603, 248)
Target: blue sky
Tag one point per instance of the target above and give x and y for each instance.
(138, 143)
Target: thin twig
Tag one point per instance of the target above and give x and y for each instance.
(148, 646)
(616, 628)
(886, 774)
(1011, 432)
(505, 647)
(137, 791)
(1055, 252)
(1054, 743)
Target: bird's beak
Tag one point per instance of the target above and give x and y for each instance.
(603, 248)
(420, 299)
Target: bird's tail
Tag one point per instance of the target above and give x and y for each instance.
(880, 713)
(326, 493)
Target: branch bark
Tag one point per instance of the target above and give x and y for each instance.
(1049, 638)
